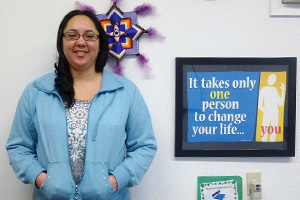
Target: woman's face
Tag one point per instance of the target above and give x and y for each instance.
(81, 54)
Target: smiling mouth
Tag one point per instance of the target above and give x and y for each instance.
(80, 52)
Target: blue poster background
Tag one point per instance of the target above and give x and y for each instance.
(209, 116)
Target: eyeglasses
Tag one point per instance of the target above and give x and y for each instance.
(88, 36)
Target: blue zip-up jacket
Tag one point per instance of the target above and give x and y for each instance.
(120, 141)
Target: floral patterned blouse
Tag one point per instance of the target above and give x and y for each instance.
(77, 117)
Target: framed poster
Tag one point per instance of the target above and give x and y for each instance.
(220, 187)
(235, 107)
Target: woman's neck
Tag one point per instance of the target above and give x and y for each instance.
(86, 84)
(82, 74)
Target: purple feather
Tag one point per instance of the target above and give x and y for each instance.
(118, 69)
(82, 6)
(115, 1)
(152, 32)
(143, 61)
(145, 9)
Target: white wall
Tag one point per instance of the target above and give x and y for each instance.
(194, 28)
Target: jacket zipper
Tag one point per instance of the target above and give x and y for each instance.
(76, 195)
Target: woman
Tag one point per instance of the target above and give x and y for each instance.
(81, 133)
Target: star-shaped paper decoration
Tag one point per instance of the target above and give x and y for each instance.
(123, 32)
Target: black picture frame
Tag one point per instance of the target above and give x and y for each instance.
(211, 66)
(290, 2)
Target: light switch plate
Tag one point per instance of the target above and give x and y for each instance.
(252, 176)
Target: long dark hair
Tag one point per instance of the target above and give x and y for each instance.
(64, 80)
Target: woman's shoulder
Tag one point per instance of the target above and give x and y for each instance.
(46, 77)
(38, 85)
(113, 79)
(44, 83)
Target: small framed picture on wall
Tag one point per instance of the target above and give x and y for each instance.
(235, 107)
(284, 8)
(291, 1)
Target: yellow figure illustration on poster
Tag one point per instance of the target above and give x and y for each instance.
(270, 112)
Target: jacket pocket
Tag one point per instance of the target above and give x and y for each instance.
(59, 184)
(95, 183)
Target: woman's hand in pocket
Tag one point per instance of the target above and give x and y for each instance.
(113, 182)
(40, 179)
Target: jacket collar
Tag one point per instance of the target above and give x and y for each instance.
(110, 82)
